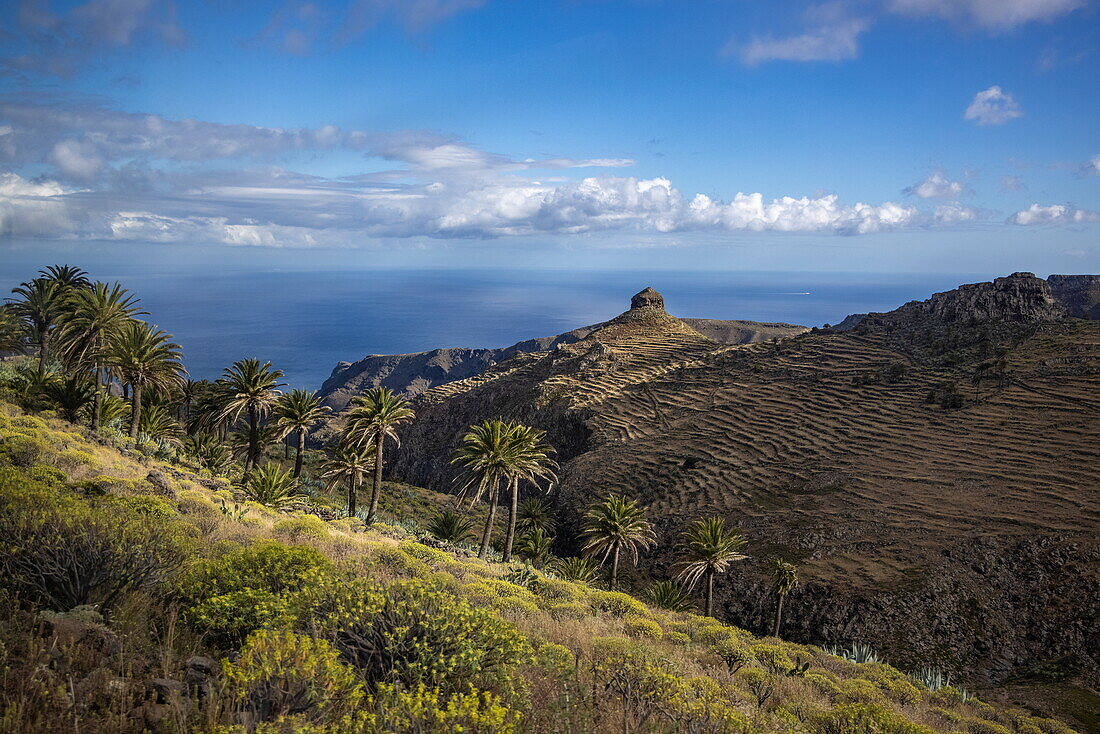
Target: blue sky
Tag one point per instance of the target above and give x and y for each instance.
(889, 135)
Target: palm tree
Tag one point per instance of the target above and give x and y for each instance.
(579, 570)
(249, 388)
(210, 452)
(710, 548)
(534, 547)
(450, 526)
(297, 412)
(145, 358)
(96, 315)
(12, 330)
(615, 525)
(158, 423)
(784, 578)
(68, 277)
(348, 465)
(270, 485)
(535, 513)
(375, 416)
(668, 595)
(72, 395)
(40, 305)
(485, 459)
(530, 462)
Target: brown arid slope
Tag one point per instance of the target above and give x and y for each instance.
(416, 372)
(933, 472)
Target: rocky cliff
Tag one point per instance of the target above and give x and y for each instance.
(416, 372)
(942, 503)
(1080, 294)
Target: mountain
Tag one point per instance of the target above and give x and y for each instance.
(416, 372)
(932, 472)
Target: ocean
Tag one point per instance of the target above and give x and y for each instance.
(306, 322)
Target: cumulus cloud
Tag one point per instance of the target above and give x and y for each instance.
(832, 35)
(1053, 214)
(1092, 167)
(936, 186)
(993, 106)
(992, 15)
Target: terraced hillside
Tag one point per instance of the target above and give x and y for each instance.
(934, 475)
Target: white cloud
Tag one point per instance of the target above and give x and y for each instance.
(1053, 214)
(831, 35)
(1011, 183)
(936, 186)
(1092, 167)
(993, 107)
(992, 15)
(954, 213)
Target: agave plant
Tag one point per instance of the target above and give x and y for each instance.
(270, 485)
(451, 526)
(861, 653)
(579, 569)
(932, 677)
(668, 595)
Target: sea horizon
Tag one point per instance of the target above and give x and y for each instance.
(306, 322)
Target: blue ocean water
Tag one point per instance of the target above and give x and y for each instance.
(306, 322)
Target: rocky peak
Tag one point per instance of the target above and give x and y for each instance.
(1080, 294)
(647, 298)
(1017, 298)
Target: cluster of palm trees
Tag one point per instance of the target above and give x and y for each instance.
(88, 341)
(96, 359)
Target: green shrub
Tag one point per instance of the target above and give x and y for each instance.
(772, 658)
(413, 632)
(149, 506)
(65, 551)
(430, 710)
(421, 552)
(46, 475)
(863, 718)
(557, 591)
(248, 588)
(569, 610)
(640, 627)
(617, 604)
(677, 638)
(23, 451)
(279, 673)
(306, 527)
(556, 661)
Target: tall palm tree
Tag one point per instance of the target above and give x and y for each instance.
(710, 548)
(784, 578)
(348, 465)
(296, 412)
(375, 416)
(158, 423)
(484, 459)
(530, 462)
(145, 358)
(535, 513)
(249, 388)
(95, 316)
(40, 304)
(616, 525)
(68, 277)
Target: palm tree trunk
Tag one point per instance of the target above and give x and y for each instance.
(376, 490)
(487, 533)
(352, 492)
(43, 348)
(97, 399)
(135, 411)
(615, 569)
(710, 593)
(253, 439)
(301, 450)
(513, 511)
(778, 615)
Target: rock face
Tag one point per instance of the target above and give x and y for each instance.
(1020, 298)
(416, 372)
(1079, 294)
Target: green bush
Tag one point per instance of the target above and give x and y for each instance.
(249, 588)
(279, 673)
(428, 710)
(413, 632)
(641, 627)
(23, 451)
(617, 604)
(306, 527)
(64, 551)
(864, 718)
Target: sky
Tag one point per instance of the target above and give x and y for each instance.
(845, 135)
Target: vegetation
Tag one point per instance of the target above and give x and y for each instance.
(784, 578)
(374, 417)
(710, 547)
(153, 583)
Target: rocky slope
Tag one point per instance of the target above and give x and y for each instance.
(416, 372)
(933, 472)
(1080, 294)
